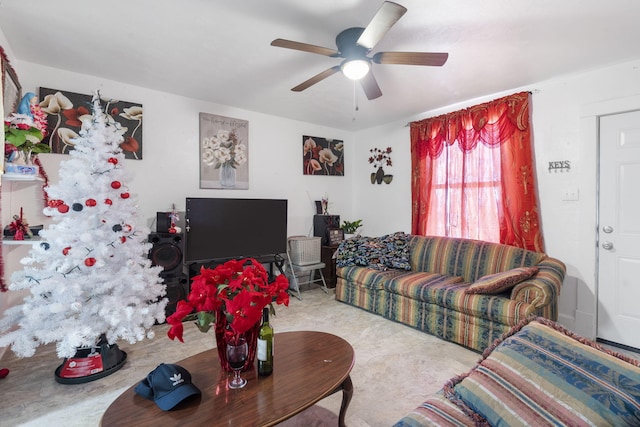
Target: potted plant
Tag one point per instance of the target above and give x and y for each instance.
(351, 227)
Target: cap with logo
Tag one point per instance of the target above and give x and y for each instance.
(167, 385)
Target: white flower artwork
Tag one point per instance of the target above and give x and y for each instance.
(224, 153)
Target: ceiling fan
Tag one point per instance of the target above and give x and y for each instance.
(353, 46)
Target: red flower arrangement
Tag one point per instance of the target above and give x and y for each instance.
(239, 287)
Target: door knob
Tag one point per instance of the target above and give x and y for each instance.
(607, 245)
(607, 229)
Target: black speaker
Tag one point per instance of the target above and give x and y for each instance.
(322, 223)
(168, 252)
(177, 290)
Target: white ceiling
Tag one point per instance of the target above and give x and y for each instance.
(219, 50)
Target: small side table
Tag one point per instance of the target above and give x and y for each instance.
(329, 271)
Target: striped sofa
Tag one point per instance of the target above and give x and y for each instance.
(430, 291)
(538, 374)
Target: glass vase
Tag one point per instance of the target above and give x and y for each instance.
(223, 333)
(227, 176)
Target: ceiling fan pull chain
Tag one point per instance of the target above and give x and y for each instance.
(355, 101)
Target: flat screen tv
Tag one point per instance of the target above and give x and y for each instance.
(221, 229)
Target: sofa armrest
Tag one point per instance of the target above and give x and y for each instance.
(543, 289)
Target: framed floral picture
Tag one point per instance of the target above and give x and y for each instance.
(224, 152)
(11, 89)
(322, 156)
(66, 111)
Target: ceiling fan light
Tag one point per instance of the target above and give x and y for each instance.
(355, 69)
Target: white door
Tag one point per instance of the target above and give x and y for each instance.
(619, 229)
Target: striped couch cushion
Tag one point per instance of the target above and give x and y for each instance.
(436, 411)
(470, 259)
(543, 374)
(367, 277)
(421, 285)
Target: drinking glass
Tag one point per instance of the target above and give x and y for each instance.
(237, 350)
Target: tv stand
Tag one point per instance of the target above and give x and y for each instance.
(274, 260)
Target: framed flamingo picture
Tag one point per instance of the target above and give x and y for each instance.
(67, 110)
(322, 156)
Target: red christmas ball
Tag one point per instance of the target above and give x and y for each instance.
(108, 202)
(90, 202)
(116, 184)
(66, 250)
(113, 160)
(128, 228)
(123, 239)
(54, 203)
(90, 262)
(125, 195)
(63, 208)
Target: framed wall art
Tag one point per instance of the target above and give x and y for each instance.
(11, 89)
(224, 152)
(65, 111)
(322, 156)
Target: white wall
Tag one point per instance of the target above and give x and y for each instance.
(564, 113)
(169, 169)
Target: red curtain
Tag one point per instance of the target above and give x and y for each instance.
(473, 174)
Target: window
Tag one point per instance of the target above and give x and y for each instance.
(473, 174)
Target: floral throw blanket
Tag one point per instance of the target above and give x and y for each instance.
(379, 253)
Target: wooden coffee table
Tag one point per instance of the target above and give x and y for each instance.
(308, 366)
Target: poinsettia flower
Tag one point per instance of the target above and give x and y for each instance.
(245, 311)
(176, 331)
(175, 320)
(238, 289)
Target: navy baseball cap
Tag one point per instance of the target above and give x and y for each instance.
(167, 385)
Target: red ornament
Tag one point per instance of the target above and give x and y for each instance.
(128, 228)
(108, 202)
(90, 202)
(63, 208)
(123, 239)
(90, 262)
(113, 160)
(125, 195)
(116, 184)
(66, 250)
(54, 203)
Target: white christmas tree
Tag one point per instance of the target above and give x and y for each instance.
(90, 275)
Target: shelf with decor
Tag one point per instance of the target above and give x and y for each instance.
(9, 241)
(23, 178)
(16, 185)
